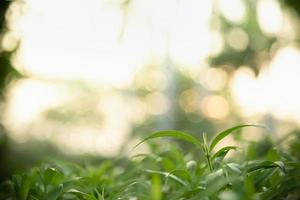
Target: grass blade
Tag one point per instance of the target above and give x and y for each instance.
(22, 186)
(223, 152)
(167, 175)
(171, 133)
(266, 165)
(182, 174)
(225, 133)
(189, 194)
(156, 187)
(81, 194)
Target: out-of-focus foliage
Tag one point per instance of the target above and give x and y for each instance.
(183, 113)
(294, 4)
(7, 71)
(248, 34)
(294, 143)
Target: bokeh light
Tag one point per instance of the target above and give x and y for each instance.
(273, 91)
(215, 107)
(233, 10)
(97, 72)
(270, 16)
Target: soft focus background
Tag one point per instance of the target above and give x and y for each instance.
(90, 78)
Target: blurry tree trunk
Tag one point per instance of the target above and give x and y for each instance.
(6, 69)
(168, 119)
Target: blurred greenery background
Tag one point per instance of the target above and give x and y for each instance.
(90, 78)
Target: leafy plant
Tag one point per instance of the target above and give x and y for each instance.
(167, 174)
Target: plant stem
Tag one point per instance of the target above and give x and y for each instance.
(209, 162)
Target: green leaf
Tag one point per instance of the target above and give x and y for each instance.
(182, 174)
(220, 154)
(190, 193)
(225, 133)
(171, 133)
(265, 165)
(167, 175)
(217, 184)
(273, 154)
(249, 188)
(100, 196)
(22, 185)
(234, 167)
(283, 189)
(168, 164)
(156, 187)
(52, 176)
(81, 194)
(54, 192)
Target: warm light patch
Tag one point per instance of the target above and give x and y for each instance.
(247, 92)
(27, 99)
(190, 34)
(274, 91)
(233, 10)
(157, 103)
(238, 39)
(189, 100)
(98, 42)
(138, 110)
(217, 43)
(30, 100)
(270, 16)
(214, 106)
(9, 42)
(213, 79)
(68, 45)
(92, 140)
(155, 79)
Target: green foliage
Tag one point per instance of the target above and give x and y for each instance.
(225, 133)
(167, 174)
(174, 134)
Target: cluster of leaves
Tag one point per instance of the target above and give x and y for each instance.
(165, 175)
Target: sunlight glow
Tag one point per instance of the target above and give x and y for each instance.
(238, 39)
(213, 79)
(189, 100)
(270, 16)
(156, 80)
(28, 99)
(190, 40)
(217, 43)
(233, 10)
(77, 46)
(100, 43)
(87, 47)
(157, 103)
(215, 107)
(100, 136)
(247, 92)
(9, 42)
(274, 91)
